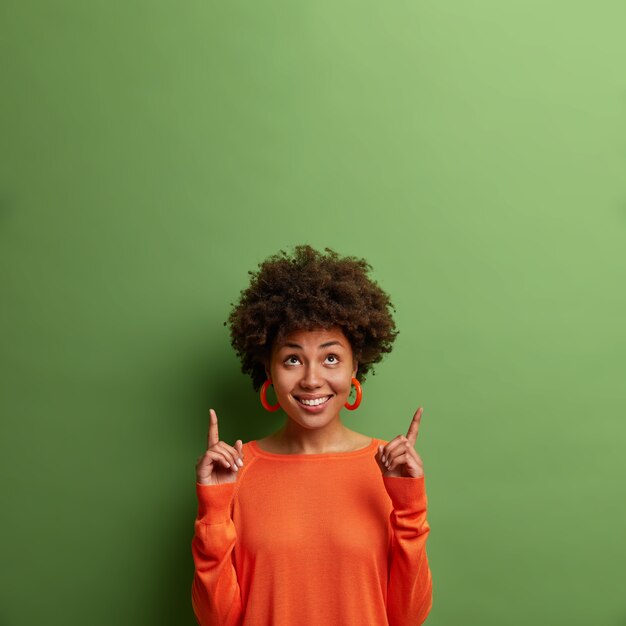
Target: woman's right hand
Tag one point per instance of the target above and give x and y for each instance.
(221, 462)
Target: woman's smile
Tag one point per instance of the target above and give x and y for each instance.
(313, 404)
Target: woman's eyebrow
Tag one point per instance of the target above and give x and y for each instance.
(323, 345)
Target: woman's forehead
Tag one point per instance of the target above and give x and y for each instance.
(313, 337)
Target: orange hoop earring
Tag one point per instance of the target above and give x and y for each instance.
(359, 395)
(266, 405)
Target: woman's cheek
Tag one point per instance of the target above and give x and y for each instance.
(341, 385)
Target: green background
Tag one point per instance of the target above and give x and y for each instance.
(153, 153)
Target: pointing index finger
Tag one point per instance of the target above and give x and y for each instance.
(213, 437)
(411, 434)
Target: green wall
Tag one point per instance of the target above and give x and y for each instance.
(152, 153)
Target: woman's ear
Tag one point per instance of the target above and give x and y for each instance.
(355, 368)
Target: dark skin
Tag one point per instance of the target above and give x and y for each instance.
(320, 364)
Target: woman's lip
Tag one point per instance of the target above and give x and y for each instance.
(315, 407)
(326, 395)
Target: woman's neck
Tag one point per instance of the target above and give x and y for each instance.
(292, 439)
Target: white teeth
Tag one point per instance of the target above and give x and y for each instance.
(314, 402)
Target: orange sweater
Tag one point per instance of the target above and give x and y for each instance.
(311, 540)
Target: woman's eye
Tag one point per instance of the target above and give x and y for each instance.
(333, 357)
(290, 360)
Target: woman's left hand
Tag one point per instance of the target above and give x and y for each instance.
(400, 457)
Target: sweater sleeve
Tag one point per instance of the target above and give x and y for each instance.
(409, 589)
(215, 593)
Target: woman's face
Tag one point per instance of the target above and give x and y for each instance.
(311, 371)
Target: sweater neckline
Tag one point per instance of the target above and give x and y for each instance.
(304, 456)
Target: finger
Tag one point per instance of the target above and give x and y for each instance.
(411, 452)
(228, 451)
(231, 449)
(213, 437)
(400, 459)
(218, 457)
(235, 453)
(401, 448)
(411, 434)
(393, 444)
(381, 452)
(239, 446)
(379, 455)
(214, 457)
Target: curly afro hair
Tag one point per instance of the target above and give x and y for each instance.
(309, 291)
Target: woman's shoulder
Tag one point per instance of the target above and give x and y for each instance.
(360, 441)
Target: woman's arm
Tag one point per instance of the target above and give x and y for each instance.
(215, 593)
(409, 589)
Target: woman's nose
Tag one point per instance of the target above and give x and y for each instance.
(311, 377)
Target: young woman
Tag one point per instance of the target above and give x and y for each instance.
(315, 524)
